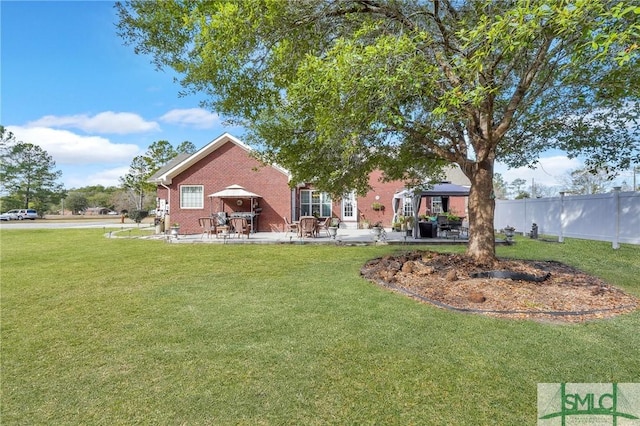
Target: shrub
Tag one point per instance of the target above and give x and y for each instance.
(138, 215)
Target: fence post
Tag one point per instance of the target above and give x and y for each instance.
(616, 231)
(525, 225)
(561, 236)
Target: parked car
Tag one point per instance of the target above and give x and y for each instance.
(24, 213)
(9, 216)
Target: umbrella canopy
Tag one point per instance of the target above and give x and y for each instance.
(234, 191)
(442, 189)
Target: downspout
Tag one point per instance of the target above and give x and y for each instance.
(294, 204)
(165, 216)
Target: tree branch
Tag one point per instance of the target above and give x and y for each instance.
(521, 89)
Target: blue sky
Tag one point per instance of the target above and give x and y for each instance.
(70, 85)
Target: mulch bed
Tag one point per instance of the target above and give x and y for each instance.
(537, 290)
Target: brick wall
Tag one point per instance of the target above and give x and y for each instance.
(228, 165)
(382, 192)
(231, 164)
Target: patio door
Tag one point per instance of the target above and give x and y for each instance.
(349, 208)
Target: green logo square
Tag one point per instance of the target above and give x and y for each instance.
(588, 403)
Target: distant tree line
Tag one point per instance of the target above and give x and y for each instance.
(29, 179)
(577, 182)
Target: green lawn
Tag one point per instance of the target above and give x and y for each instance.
(124, 331)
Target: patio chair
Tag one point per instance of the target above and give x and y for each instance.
(308, 226)
(290, 227)
(208, 225)
(324, 226)
(239, 226)
(443, 225)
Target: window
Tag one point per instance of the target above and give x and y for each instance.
(436, 205)
(192, 197)
(314, 203)
(407, 207)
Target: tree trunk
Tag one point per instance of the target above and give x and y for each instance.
(140, 199)
(482, 204)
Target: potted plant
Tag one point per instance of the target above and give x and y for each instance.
(377, 206)
(452, 217)
(159, 224)
(334, 223)
(376, 230)
(175, 229)
(408, 225)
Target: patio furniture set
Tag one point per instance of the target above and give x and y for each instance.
(308, 226)
(225, 227)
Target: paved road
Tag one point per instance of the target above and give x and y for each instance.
(65, 224)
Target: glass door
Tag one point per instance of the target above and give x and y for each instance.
(349, 208)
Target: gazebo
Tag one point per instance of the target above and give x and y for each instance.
(442, 189)
(239, 193)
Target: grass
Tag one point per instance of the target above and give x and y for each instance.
(123, 331)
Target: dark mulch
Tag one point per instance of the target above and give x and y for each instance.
(525, 289)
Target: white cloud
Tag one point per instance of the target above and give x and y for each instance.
(196, 117)
(550, 171)
(104, 122)
(69, 148)
(107, 177)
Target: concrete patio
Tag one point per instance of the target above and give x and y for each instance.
(344, 237)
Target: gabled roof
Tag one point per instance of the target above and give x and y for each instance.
(184, 161)
(453, 173)
(170, 165)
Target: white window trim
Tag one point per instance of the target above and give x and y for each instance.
(407, 207)
(201, 200)
(323, 196)
(436, 205)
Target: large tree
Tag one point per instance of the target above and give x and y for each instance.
(28, 174)
(335, 89)
(136, 181)
(76, 201)
(142, 167)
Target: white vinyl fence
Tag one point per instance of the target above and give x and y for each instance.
(614, 216)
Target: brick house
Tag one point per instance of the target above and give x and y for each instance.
(186, 187)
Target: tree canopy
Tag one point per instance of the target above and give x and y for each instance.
(335, 89)
(142, 167)
(580, 181)
(28, 176)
